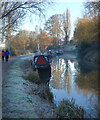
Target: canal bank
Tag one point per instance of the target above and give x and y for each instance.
(18, 100)
(75, 84)
(64, 83)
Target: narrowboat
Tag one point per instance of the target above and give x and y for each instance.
(40, 62)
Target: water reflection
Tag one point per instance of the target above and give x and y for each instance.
(63, 72)
(45, 75)
(68, 81)
(58, 74)
(88, 82)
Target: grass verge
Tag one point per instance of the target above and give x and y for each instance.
(32, 76)
(43, 90)
(68, 109)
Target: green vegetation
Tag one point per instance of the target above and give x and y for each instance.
(68, 109)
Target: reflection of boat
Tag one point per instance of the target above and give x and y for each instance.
(50, 54)
(59, 52)
(41, 61)
(44, 75)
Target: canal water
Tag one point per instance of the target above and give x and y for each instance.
(71, 79)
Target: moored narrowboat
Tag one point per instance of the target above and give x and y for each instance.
(41, 61)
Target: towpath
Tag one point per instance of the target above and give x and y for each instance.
(18, 101)
(15, 102)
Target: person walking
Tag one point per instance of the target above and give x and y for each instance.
(7, 55)
(2, 54)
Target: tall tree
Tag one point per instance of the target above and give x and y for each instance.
(67, 25)
(54, 26)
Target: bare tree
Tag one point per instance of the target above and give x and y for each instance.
(54, 26)
(92, 8)
(15, 11)
(11, 14)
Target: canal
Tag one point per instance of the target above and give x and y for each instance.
(71, 79)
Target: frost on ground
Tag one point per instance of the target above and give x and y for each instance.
(0, 89)
(19, 101)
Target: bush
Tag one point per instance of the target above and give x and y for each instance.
(68, 109)
(83, 46)
(44, 92)
(14, 51)
(33, 77)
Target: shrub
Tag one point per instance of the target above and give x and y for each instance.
(82, 49)
(68, 109)
(33, 77)
(44, 92)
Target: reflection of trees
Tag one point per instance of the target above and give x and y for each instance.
(58, 75)
(70, 74)
(69, 80)
(62, 75)
(44, 75)
(86, 67)
(88, 82)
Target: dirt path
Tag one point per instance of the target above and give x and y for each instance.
(18, 101)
